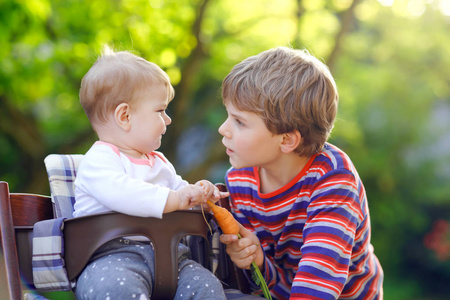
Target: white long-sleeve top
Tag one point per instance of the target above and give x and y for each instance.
(108, 180)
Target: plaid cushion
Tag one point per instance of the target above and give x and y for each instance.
(49, 273)
(61, 170)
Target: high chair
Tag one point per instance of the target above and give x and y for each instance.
(82, 236)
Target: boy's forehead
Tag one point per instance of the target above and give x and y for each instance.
(230, 107)
(236, 112)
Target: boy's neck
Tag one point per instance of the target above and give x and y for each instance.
(277, 176)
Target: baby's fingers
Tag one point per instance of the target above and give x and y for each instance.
(208, 187)
(218, 195)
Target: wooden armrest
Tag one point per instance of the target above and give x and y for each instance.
(84, 235)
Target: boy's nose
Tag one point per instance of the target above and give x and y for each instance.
(222, 129)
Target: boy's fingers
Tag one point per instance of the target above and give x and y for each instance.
(244, 263)
(245, 233)
(228, 238)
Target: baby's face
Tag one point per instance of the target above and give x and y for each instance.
(149, 119)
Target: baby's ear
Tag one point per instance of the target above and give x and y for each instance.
(290, 141)
(122, 116)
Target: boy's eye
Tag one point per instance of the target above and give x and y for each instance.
(239, 122)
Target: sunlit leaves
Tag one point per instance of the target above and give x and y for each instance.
(367, 11)
(40, 9)
(311, 5)
(392, 71)
(317, 30)
(341, 4)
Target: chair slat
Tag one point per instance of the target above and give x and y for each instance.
(9, 244)
(28, 209)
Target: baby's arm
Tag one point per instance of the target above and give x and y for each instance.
(192, 195)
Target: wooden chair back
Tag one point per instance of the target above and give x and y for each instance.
(18, 213)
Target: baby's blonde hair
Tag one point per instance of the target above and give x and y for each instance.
(115, 78)
(290, 90)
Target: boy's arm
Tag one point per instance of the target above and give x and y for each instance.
(321, 219)
(328, 237)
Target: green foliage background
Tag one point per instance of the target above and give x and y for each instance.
(389, 58)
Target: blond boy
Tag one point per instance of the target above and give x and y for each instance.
(300, 200)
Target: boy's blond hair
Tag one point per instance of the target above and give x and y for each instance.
(290, 90)
(115, 78)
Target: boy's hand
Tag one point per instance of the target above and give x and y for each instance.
(245, 250)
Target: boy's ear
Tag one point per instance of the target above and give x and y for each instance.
(290, 141)
(122, 116)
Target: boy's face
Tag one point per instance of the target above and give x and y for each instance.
(149, 119)
(248, 141)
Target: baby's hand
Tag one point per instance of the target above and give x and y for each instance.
(185, 198)
(190, 196)
(212, 193)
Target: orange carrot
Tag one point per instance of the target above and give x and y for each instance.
(229, 225)
(225, 219)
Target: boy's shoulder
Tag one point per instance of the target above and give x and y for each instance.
(332, 157)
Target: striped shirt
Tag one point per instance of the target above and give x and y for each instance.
(315, 231)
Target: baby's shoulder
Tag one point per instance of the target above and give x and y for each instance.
(98, 154)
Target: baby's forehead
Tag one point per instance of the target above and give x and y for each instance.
(151, 87)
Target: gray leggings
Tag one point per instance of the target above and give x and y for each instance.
(124, 269)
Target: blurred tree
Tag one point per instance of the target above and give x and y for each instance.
(389, 59)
